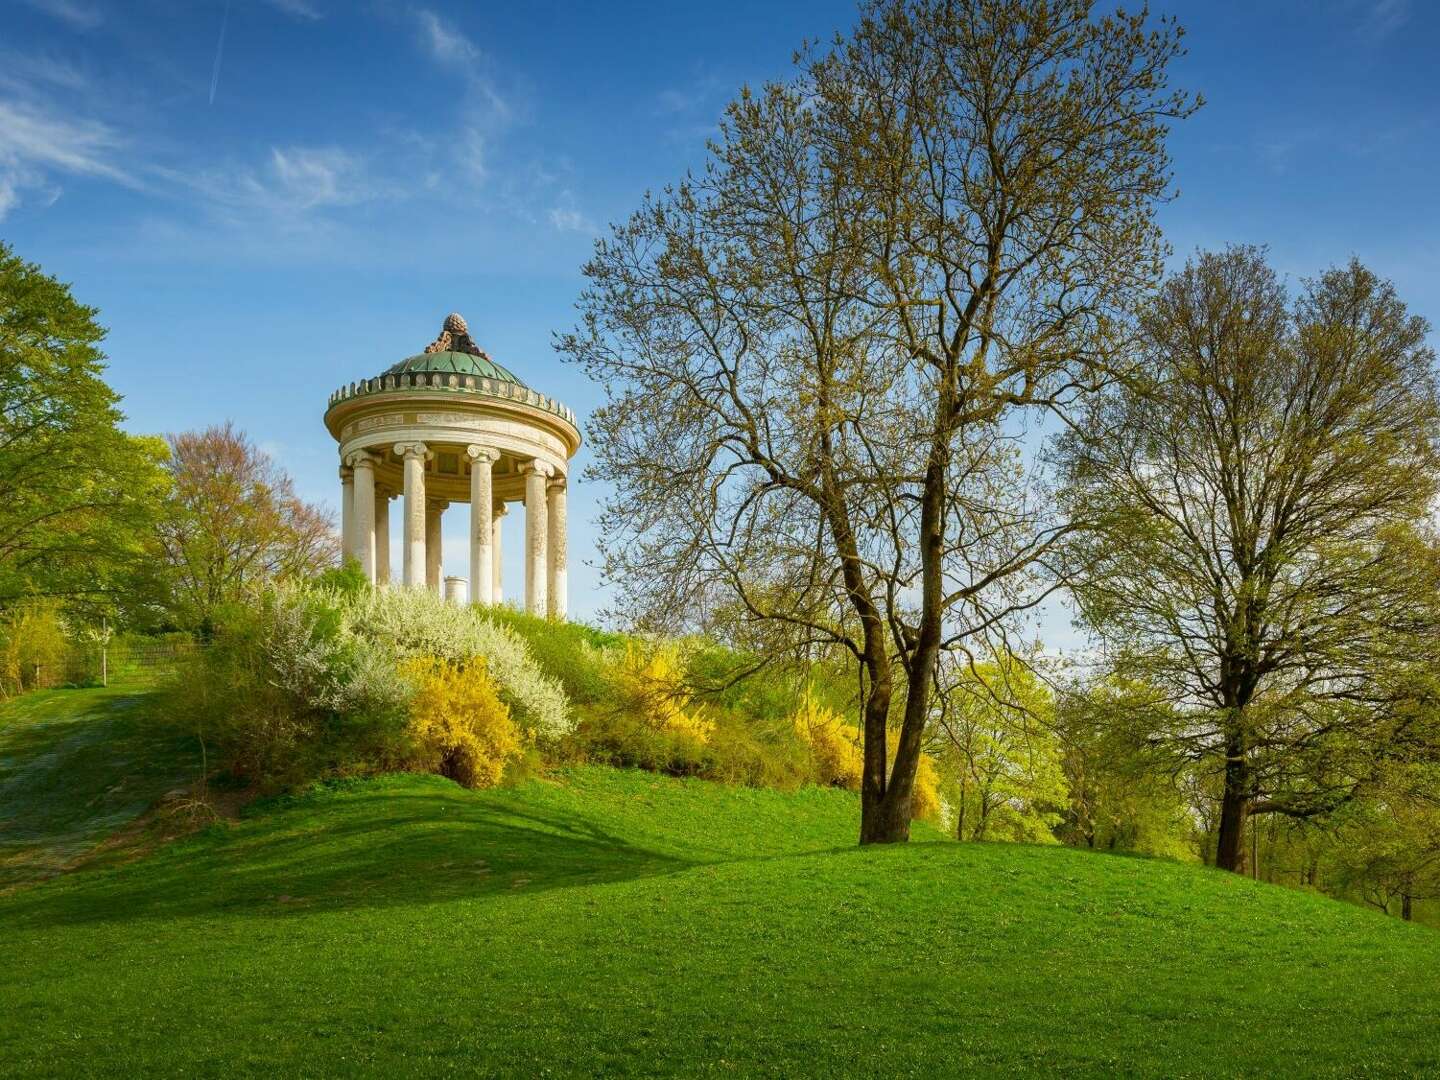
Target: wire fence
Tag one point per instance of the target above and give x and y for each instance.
(124, 660)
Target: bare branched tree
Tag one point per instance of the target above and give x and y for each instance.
(819, 352)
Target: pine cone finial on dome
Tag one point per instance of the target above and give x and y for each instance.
(455, 337)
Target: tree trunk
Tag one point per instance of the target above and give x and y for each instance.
(886, 820)
(1407, 903)
(960, 810)
(1234, 808)
(884, 799)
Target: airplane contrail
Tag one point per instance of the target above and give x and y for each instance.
(219, 51)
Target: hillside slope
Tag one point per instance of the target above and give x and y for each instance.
(75, 767)
(610, 922)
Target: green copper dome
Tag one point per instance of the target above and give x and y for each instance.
(453, 363)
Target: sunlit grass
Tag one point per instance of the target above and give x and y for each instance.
(607, 922)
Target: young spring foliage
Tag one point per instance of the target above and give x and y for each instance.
(817, 351)
(1259, 491)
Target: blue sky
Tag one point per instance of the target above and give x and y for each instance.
(303, 210)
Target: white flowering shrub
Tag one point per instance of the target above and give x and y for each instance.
(312, 654)
(309, 681)
(414, 622)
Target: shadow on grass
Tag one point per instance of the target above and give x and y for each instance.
(368, 848)
(75, 766)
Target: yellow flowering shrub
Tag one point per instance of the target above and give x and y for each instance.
(459, 726)
(651, 682)
(837, 753)
(925, 799)
(834, 745)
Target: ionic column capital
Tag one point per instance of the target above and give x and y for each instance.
(361, 459)
(479, 454)
(535, 465)
(346, 473)
(501, 509)
(436, 505)
(557, 483)
(413, 450)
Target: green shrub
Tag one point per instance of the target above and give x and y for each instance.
(576, 655)
(305, 682)
(34, 648)
(285, 694)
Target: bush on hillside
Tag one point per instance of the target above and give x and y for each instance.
(304, 682)
(837, 756)
(284, 694)
(416, 622)
(579, 657)
(836, 759)
(458, 724)
(650, 682)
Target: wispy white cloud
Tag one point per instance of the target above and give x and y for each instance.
(293, 181)
(471, 150)
(1378, 20)
(21, 71)
(321, 176)
(674, 100)
(34, 143)
(690, 111)
(297, 9)
(444, 41)
(565, 216)
(78, 13)
(448, 45)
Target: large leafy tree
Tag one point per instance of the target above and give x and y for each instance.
(233, 520)
(78, 495)
(1260, 488)
(818, 352)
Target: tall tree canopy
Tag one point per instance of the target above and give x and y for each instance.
(1260, 488)
(233, 519)
(815, 350)
(77, 494)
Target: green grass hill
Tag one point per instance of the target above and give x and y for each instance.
(607, 922)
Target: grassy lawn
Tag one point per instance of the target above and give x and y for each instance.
(75, 766)
(605, 922)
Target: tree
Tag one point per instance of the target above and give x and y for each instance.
(77, 494)
(1000, 754)
(233, 520)
(1259, 490)
(817, 352)
(1389, 849)
(1124, 795)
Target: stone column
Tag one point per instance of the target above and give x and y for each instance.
(496, 592)
(347, 513)
(382, 536)
(455, 591)
(362, 528)
(414, 455)
(555, 570)
(482, 462)
(537, 473)
(434, 555)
